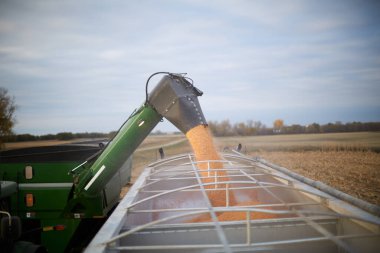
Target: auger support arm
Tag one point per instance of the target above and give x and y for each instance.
(174, 98)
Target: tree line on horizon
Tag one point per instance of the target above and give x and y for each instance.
(63, 136)
(250, 127)
(224, 128)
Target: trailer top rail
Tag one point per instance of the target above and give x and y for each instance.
(160, 213)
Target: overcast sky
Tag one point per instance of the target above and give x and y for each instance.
(82, 65)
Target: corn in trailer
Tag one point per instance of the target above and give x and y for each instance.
(156, 214)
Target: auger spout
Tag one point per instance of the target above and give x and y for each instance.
(174, 98)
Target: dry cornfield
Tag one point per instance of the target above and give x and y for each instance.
(354, 172)
(349, 162)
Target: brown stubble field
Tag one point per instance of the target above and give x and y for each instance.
(354, 172)
(349, 162)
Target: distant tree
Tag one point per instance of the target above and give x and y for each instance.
(294, 129)
(7, 109)
(48, 137)
(313, 128)
(213, 126)
(223, 128)
(250, 128)
(330, 128)
(259, 128)
(278, 124)
(371, 126)
(64, 136)
(26, 137)
(240, 129)
(244, 129)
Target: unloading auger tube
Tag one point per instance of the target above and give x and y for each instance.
(174, 98)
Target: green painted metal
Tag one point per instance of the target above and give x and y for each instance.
(129, 137)
(51, 172)
(51, 186)
(86, 207)
(50, 238)
(45, 200)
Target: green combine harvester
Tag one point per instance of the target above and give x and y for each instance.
(56, 198)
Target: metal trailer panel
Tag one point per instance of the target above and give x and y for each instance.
(156, 214)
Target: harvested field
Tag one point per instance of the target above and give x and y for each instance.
(349, 162)
(305, 142)
(29, 144)
(157, 141)
(353, 172)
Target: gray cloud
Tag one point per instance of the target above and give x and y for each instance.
(81, 66)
